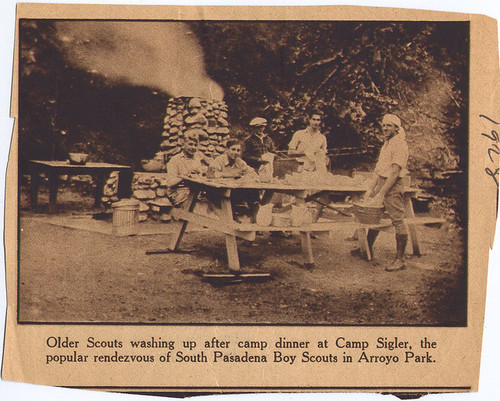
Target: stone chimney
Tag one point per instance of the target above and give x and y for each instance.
(207, 118)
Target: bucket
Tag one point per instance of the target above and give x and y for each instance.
(125, 217)
(282, 167)
(368, 214)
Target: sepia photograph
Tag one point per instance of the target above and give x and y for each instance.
(218, 200)
(243, 172)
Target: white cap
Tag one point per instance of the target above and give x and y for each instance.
(391, 119)
(258, 121)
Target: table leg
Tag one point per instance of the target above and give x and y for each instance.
(415, 243)
(179, 228)
(305, 239)
(181, 225)
(34, 186)
(125, 184)
(53, 184)
(233, 259)
(356, 198)
(329, 165)
(267, 197)
(99, 183)
(318, 212)
(226, 215)
(361, 234)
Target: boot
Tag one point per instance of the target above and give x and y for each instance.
(371, 237)
(399, 262)
(254, 209)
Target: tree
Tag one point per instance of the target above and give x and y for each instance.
(353, 71)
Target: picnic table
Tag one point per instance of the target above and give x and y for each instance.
(219, 198)
(53, 169)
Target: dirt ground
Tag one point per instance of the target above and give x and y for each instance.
(74, 275)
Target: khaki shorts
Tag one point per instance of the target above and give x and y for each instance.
(393, 200)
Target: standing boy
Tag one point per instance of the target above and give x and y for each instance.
(388, 188)
(310, 144)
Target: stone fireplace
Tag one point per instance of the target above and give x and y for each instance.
(207, 118)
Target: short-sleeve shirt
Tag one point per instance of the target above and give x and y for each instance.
(181, 166)
(394, 151)
(222, 165)
(307, 142)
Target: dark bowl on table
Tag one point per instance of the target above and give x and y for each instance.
(78, 158)
(152, 165)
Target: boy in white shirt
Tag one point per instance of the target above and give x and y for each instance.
(387, 189)
(310, 144)
(184, 164)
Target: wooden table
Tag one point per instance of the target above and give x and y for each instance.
(98, 171)
(220, 190)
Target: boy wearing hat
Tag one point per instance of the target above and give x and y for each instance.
(387, 189)
(257, 144)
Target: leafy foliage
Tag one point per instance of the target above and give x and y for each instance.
(352, 71)
(63, 109)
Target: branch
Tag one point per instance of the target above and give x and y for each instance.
(319, 63)
(329, 76)
(452, 98)
(374, 87)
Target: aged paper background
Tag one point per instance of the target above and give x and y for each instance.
(486, 353)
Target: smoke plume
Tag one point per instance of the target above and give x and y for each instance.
(162, 55)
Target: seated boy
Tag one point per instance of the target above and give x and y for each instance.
(188, 162)
(231, 165)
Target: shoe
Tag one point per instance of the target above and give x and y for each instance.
(356, 252)
(280, 234)
(399, 262)
(397, 265)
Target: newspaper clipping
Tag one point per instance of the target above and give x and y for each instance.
(250, 199)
